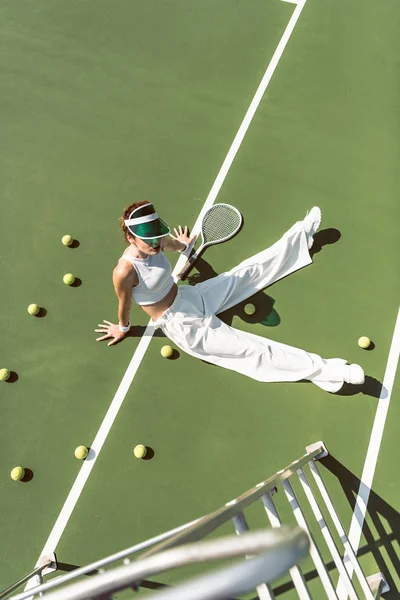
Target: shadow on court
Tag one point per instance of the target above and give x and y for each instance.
(265, 314)
(28, 475)
(325, 237)
(149, 453)
(371, 387)
(138, 331)
(13, 377)
(384, 517)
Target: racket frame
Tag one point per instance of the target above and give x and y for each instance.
(192, 259)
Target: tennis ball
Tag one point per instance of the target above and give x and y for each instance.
(81, 452)
(249, 309)
(33, 309)
(67, 240)
(17, 473)
(140, 451)
(68, 279)
(364, 342)
(167, 351)
(4, 374)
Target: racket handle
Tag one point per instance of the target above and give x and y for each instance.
(187, 267)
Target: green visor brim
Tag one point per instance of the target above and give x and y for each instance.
(151, 229)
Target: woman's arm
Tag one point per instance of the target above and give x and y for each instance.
(172, 245)
(123, 285)
(124, 279)
(180, 242)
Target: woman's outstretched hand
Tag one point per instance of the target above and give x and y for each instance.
(111, 330)
(183, 235)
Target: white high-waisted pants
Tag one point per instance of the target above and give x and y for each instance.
(191, 322)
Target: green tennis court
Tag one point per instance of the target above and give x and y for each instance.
(104, 104)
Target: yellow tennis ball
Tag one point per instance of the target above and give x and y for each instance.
(68, 279)
(249, 309)
(81, 452)
(364, 342)
(67, 240)
(4, 374)
(167, 351)
(140, 451)
(33, 309)
(17, 473)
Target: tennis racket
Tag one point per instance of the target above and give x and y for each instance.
(219, 224)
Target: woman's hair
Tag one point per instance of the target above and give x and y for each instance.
(126, 214)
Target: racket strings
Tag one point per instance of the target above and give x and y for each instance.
(220, 223)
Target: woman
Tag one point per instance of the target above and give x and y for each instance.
(187, 315)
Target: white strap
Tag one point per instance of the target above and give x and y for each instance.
(123, 328)
(139, 220)
(185, 248)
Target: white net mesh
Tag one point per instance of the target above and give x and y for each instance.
(220, 223)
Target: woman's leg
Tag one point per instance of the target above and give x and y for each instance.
(287, 255)
(208, 338)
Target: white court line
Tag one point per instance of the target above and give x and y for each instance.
(123, 388)
(371, 459)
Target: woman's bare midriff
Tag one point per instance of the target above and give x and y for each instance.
(158, 308)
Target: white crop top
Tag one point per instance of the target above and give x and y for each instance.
(155, 279)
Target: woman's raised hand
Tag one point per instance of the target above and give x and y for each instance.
(111, 330)
(183, 235)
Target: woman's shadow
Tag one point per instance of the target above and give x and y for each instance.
(265, 314)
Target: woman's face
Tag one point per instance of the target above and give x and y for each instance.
(152, 246)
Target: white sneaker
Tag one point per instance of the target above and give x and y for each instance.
(354, 374)
(311, 223)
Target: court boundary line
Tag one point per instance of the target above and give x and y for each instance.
(116, 403)
(371, 458)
